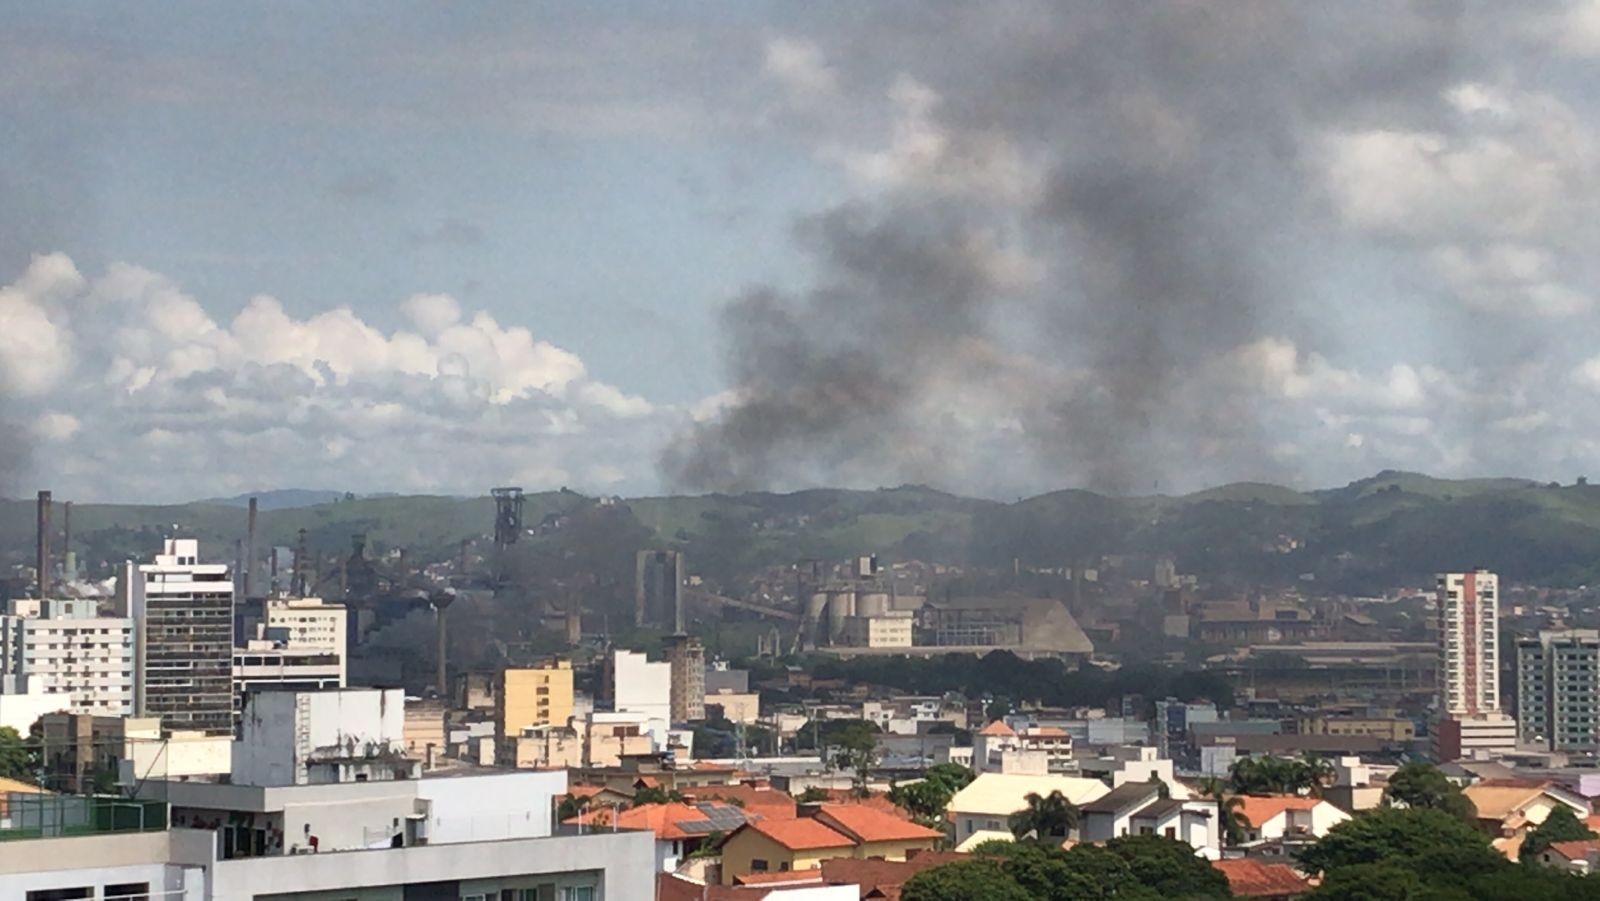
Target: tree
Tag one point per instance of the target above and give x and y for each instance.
(571, 806)
(855, 748)
(16, 760)
(928, 797)
(1560, 826)
(1228, 807)
(1421, 838)
(813, 795)
(1169, 867)
(1272, 776)
(1420, 784)
(654, 794)
(966, 880)
(1051, 817)
(1369, 882)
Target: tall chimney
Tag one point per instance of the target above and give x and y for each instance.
(66, 527)
(43, 548)
(250, 552)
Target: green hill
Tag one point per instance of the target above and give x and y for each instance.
(1392, 526)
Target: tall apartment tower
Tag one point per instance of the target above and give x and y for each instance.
(658, 590)
(1558, 690)
(65, 647)
(1471, 723)
(687, 658)
(183, 638)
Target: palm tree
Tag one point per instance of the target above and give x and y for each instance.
(1228, 807)
(1049, 817)
(1319, 769)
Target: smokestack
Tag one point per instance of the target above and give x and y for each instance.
(443, 669)
(298, 585)
(69, 560)
(43, 548)
(250, 552)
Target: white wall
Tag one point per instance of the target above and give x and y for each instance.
(491, 808)
(642, 686)
(623, 860)
(351, 718)
(21, 711)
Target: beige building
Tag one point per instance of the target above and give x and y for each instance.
(891, 630)
(534, 696)
(737, 706)
(424, 730)
(545, 748)
(687, 658)
(304, 623)
(1394, 729)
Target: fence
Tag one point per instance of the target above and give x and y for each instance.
(26, 815)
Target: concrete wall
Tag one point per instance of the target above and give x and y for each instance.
(172, 863)
(619, 864)
(355, 719)
(503, 806)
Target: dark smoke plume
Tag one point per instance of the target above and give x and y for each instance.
(1169, 223)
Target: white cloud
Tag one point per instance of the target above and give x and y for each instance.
(35, 341)
(298, 400)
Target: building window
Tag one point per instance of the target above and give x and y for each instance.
(578, 893)
(758, 865)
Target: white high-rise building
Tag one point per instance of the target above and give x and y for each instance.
(1471, 723)
(643, 688)
(1469, 661)
(308, 624)
(63, 647)
(183, 638)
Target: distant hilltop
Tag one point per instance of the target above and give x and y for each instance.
(287, 498)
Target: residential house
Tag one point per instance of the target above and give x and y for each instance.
(1278, 817)
(987, 803)
(1509, 808)
(680, 829)
(1581, 856)
(1138, 808)
(829, 831)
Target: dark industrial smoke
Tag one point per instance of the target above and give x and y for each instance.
(1171, 222)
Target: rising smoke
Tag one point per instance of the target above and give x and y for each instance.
(1087, 319)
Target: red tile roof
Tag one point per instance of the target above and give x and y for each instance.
(1257, 809)
(1576, 850)
(998, 727)
(803, 834)
(868, 824)
(1251, 878)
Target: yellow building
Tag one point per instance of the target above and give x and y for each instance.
(834, 830)
(535, 696)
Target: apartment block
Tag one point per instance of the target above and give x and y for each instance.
(64, 648)
(1558, 690)
(686, 656)
(183, 638)
(529, 697)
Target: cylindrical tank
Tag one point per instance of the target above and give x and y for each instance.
(816, 607)
(874, 603)
(841, 606)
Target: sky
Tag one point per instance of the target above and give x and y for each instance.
(634, 248)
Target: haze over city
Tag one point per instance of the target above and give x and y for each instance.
(634, 249)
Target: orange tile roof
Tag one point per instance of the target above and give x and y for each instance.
(1045, 732)
(1258, 809)
(1576, 850)
(867, 824)
(1250, 878)
(879, 802)
(998, 727)
(766, 802)
(803, 834)
(665, 820)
